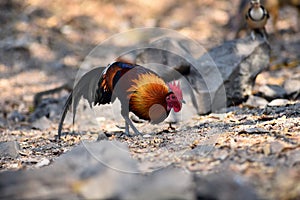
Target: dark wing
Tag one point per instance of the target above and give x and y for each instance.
(86, 87)
(108, 80)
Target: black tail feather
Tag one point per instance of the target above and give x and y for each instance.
(86, 87)
(64, 113)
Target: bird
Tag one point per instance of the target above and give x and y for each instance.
(256, 18)
(273, 7)
(139, 89)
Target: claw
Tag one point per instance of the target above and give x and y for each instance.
(171, 127)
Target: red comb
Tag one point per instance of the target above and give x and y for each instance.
(175, 88)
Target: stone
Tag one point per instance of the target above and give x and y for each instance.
(42, 124)
(101, 136)
(9, 149)
(106, 170)
(16, 116)
(95, 170)
(42, 163)
(271, 92)
(292, 85)
(255, 101)
(237, 62)
(254, 130)
(49, 107)
(278, 102)
(223, 186)
(163, 184)
(276, 147)
(3, 122)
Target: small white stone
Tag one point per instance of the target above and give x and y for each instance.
(43, 162)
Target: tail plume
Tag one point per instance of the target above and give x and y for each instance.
(86, 88)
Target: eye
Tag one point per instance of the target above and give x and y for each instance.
(173, 97)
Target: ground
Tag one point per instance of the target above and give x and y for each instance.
(44, 42)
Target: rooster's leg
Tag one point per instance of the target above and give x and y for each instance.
(129, 122)
(126, 128)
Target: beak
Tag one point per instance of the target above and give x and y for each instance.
(183, 101)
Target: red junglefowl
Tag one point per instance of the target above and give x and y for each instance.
(140, 91)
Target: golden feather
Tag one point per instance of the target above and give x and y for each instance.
(147, 91)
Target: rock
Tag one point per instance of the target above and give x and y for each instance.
(42, 163)
(16, 116)
(92, 170)
(105, 170)
(271, 92)
(168, 53)
(41, 124)
(97, 170)
(9, 149)
(278, 102)
(276, 147)
(221, 155)
(3, 122)
(163, 184)
(238, 63)
(255, 130)
(49, 107)
(223, 186)
(255, 101)
(101, 136)
(293, 157)
(292, 85)
(286, 183)
(218, 78)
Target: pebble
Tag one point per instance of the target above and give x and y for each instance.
(222, 154)
(255, 130)
(147, 136)
(276, 147)
(271, 92)
(255, 101)
(42, 124)
(278, 102)
(163, 184)
(224, 185)
(220, 116)
(16, 116)
(3, 122)
(101, 136)
(292, 85)
(9, 149)
(48, 107)
(42, 163)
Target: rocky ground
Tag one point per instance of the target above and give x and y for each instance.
(255, 144)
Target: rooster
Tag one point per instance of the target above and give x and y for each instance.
(140, 91)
